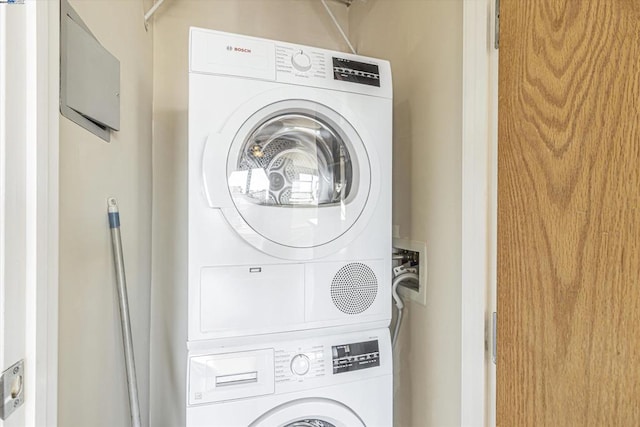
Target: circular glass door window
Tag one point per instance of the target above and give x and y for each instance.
(309, 412)
(298, 175)
(310, 423)
(293, 159)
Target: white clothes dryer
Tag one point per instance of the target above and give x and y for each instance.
(329, 381)
(289, 187)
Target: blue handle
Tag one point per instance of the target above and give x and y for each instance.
(114, 220)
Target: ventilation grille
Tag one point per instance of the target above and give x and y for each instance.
(354, 288)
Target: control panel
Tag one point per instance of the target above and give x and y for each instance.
(356, 72)
(223, 54)
(304, 63)
(297, 363)
(356, 356)
(281, 366)
(308, 63)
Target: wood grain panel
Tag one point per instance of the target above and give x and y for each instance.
(568, 213)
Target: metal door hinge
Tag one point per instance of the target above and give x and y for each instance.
(496, 39)
(494, 339)
(11, 389)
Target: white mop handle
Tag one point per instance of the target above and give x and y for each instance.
(129, 361)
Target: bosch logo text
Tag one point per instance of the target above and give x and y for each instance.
(238, 49)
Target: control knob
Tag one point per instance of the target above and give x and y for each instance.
(300, 364)
(301, 61)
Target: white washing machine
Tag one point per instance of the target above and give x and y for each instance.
(329, 381)
(289, 187)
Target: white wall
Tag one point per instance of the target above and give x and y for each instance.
(297, 21)
(92, 385)
(423, 41)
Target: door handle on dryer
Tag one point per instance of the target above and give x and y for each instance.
(214, 172)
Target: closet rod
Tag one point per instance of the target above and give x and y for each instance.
(151, 11)
(338, 26)
(157, 4)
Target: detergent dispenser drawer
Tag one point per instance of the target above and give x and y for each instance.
(219, 377)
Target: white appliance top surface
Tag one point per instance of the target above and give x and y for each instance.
(233, 55)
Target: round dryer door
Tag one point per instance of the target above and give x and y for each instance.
(310, 412)
(298, 175)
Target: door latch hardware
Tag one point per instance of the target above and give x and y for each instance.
(11, 389)
(496, 35)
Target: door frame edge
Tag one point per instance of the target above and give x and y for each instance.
(479, 178)
(41, 323)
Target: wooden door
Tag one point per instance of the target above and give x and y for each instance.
(569, 213)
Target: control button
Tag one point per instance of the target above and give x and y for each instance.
(301, 61)
(300, 364)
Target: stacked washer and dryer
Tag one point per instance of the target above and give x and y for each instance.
(289, 235)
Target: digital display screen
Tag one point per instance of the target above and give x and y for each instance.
(356, 72)
(356, 356)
